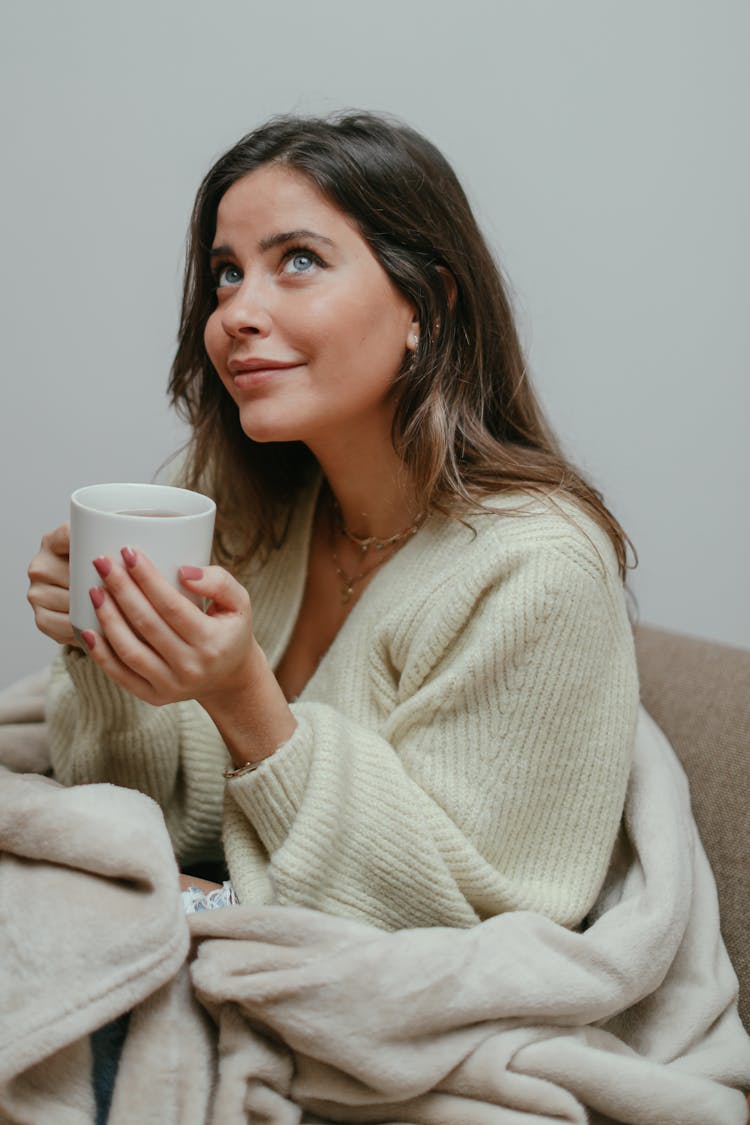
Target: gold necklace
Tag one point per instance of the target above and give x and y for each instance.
(386, 548)
(348, 581)
(366, 542)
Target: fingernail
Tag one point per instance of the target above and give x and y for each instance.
(103, 566)
(97, 596)
(192, 573)
(89, 638)
(129, 557)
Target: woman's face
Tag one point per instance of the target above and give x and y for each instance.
(309, 331)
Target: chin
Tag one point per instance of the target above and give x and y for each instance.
(267, 428)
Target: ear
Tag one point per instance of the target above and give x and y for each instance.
(412, 338)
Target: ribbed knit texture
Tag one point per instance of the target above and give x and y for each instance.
(99, 732)
(463, 748)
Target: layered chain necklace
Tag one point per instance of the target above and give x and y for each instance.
(383, 549)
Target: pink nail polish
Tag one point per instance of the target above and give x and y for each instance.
(89, 638)
(103, 566)
(192, 573)
(97, 596)
(129, 557)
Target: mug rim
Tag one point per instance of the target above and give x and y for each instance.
(81, 500)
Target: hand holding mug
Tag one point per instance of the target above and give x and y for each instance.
(49, 589)
(161, 647)
(173, 525)
(144, 624)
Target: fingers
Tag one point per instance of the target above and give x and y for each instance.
(46, 597)
(103, 654)
(149, 594)
(135, 631)
(155, 641)
(51, 606)
(49, 578)
(54, 625)
(50, 566)
(183, 616)
(58, 541)
(213, 582)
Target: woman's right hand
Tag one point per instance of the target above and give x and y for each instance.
(49, 590)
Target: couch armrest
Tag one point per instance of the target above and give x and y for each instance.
(699, 693)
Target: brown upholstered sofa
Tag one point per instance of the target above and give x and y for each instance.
(699, 694)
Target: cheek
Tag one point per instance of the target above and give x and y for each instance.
(382, 320)
(213, 337)
(357, 324)
(214, 340)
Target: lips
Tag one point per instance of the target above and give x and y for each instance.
(258, 363)
(254, 372)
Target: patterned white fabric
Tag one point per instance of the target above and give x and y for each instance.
(195, 900)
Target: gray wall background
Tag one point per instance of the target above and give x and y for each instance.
(604, 146)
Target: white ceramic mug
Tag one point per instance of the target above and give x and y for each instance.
(173, 526)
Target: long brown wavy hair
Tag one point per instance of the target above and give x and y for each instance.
(467, 423)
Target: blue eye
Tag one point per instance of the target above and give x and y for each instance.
(228, 275)
(298, 260)
(300, 263)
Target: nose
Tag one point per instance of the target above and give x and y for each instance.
(246, 313)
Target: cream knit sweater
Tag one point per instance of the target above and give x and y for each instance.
(462, 749)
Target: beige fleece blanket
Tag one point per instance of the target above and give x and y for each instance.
(284, 1015)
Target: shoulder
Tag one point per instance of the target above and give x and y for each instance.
(547, 538)
(511, 574)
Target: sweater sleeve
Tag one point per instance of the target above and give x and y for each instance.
(496, 782)
(174, 754)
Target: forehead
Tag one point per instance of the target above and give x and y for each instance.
(274, 198)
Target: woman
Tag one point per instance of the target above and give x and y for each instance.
(416, 679)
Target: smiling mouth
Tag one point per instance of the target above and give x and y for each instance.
(253, 373)
(259, 363)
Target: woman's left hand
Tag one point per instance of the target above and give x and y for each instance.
(162, 647)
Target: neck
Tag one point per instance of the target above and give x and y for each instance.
(373, 491)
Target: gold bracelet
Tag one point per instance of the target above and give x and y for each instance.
(242, 770)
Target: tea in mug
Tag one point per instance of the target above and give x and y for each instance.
(154, 512)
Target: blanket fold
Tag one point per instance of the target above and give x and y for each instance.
(23, 734)
(635, 1017)
(285, 1015)
(92, 920)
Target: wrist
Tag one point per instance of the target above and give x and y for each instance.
(236, 688)
(252, 715)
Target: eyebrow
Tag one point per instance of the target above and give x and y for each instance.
(272, 240)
